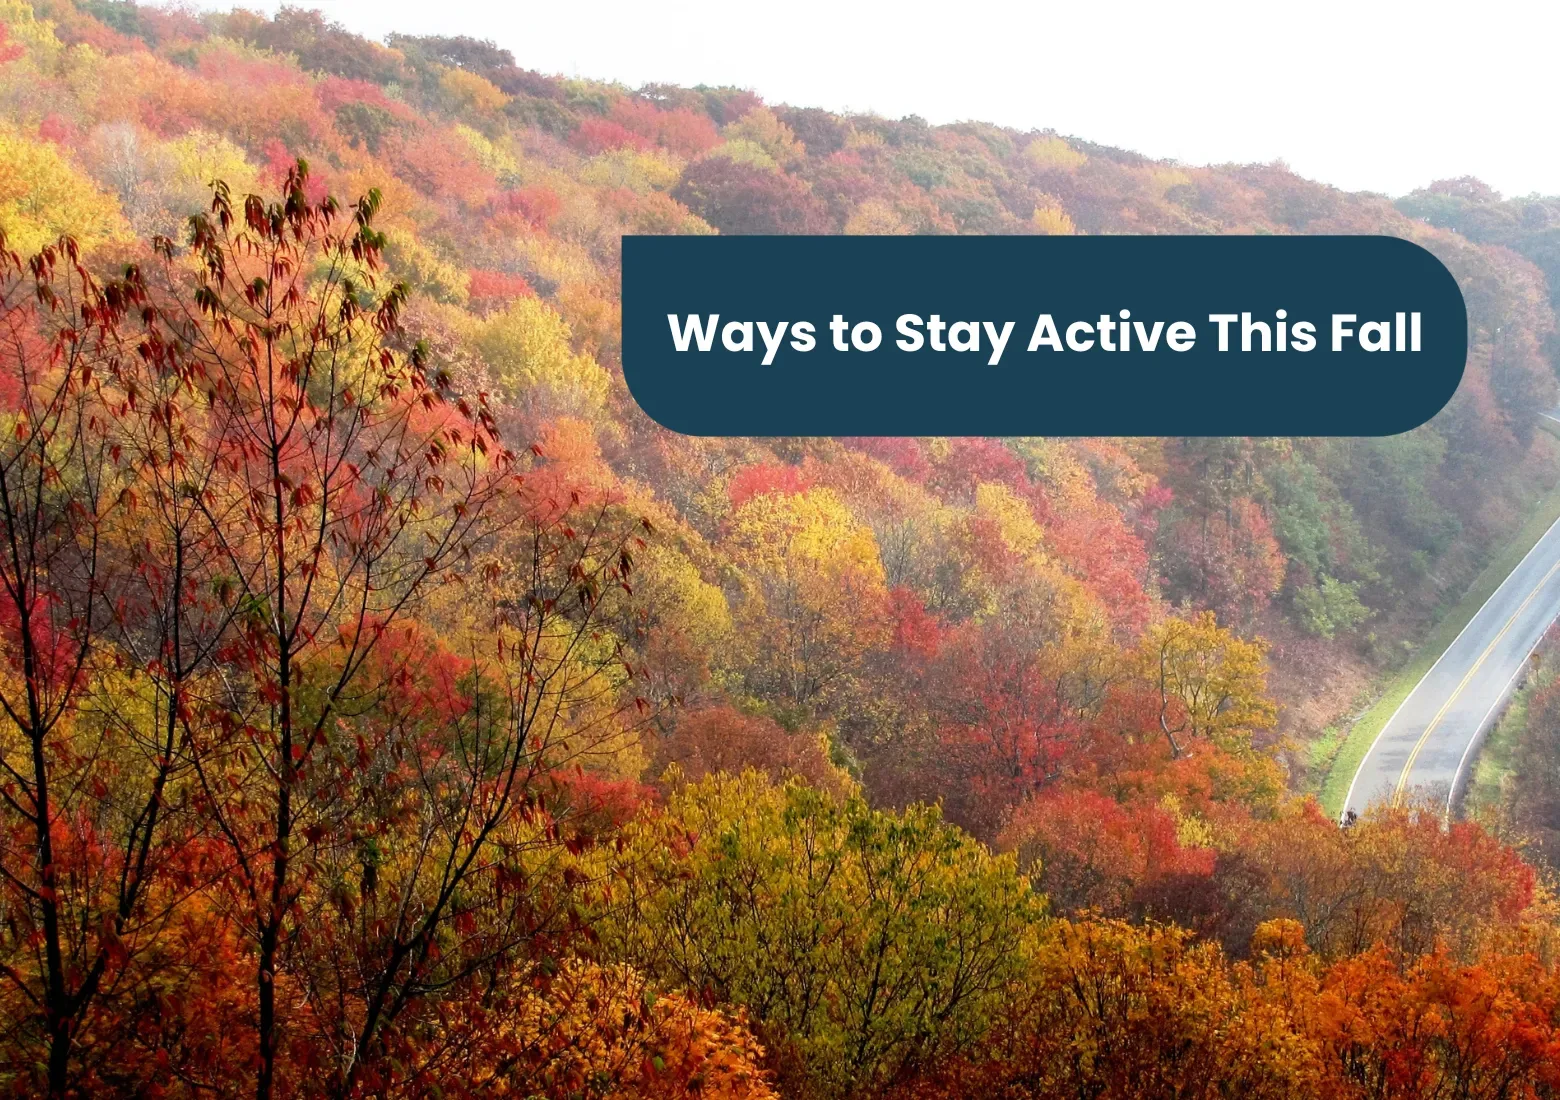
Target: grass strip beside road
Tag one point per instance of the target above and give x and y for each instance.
(1495, 757)
(1335, 788)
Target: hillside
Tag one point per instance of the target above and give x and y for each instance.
(1101, 657)
(502, 184)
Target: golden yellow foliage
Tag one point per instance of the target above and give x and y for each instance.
(200, 157)
(597, 1032)
(42, 195)
(1012, 517)
(470, 91)
(745, 151)
(681, 602)
(423, 269)
(24, 28)
(1117, 1010)
(651, 170)
(492, 157)
(529, 349)
(1052, 221)
(875, 218)
(851, 929)
(1163, 178)
(1052, 153)
(1210, 683)
(763, 128)
(813, 603)
(557, 261)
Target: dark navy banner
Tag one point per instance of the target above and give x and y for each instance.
(1039, 335)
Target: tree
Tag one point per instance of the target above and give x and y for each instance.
(58, 491)
(598, 1033)
(1089, 852)
(1225, 560)
(740, 198)
(226, 495)
(764, 129)
(1534, 796)
(813, 602)
(1438, 1028)
(721, 739)
(869, 944)
(1111, 1010)
(1395, 879)
(1015, 702)
(350, 486)
(528, 347)
(1209, 683)
(320, 45)
(44, 195)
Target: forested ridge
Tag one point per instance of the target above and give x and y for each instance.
(391, 709)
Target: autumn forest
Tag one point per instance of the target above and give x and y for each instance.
(391, 709)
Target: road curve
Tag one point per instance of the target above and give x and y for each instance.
(1427, 746)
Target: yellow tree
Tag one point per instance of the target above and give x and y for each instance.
(814, 598)
(528, 347)
(1113, 1010)
(43, 194)
(1208, 683)
(593, 1032)
(870, 944)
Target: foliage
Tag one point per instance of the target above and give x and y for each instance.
(1330, 606)
(867, 942)
(1210, 684)
(738, 197)
(527, 345)
(390, 709)
(43, 195)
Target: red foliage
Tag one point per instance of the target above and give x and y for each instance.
(913, 629)
(597, 135)
(594, 802)
(9, 51)
(538, 205)
(334, 91)
(765, 477)
(83, 30)
(1224, 559)
(1006, 722)
(971, 462)
(902, 454)
(681, 131)
(492, 289)
(278, 165)
(842, 183)
(58, 130)
(1158, 497)
(723, 739)
(729, 104)
(741, 198)
(52, 643)
(442, 165)
(1096, 853)
(1093, 538)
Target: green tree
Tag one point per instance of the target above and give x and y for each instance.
(864, 943)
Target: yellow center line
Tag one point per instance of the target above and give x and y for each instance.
(1408, 766)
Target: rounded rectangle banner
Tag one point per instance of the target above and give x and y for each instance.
(1154, 335)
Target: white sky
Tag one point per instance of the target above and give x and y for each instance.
(1365, 95)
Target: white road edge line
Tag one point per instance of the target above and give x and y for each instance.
(1479, 730)
(1348, 798)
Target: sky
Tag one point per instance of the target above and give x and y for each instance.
(1366, 96)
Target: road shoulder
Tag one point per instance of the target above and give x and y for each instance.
(1396, 687)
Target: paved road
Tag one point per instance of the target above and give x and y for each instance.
(1426, 747)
